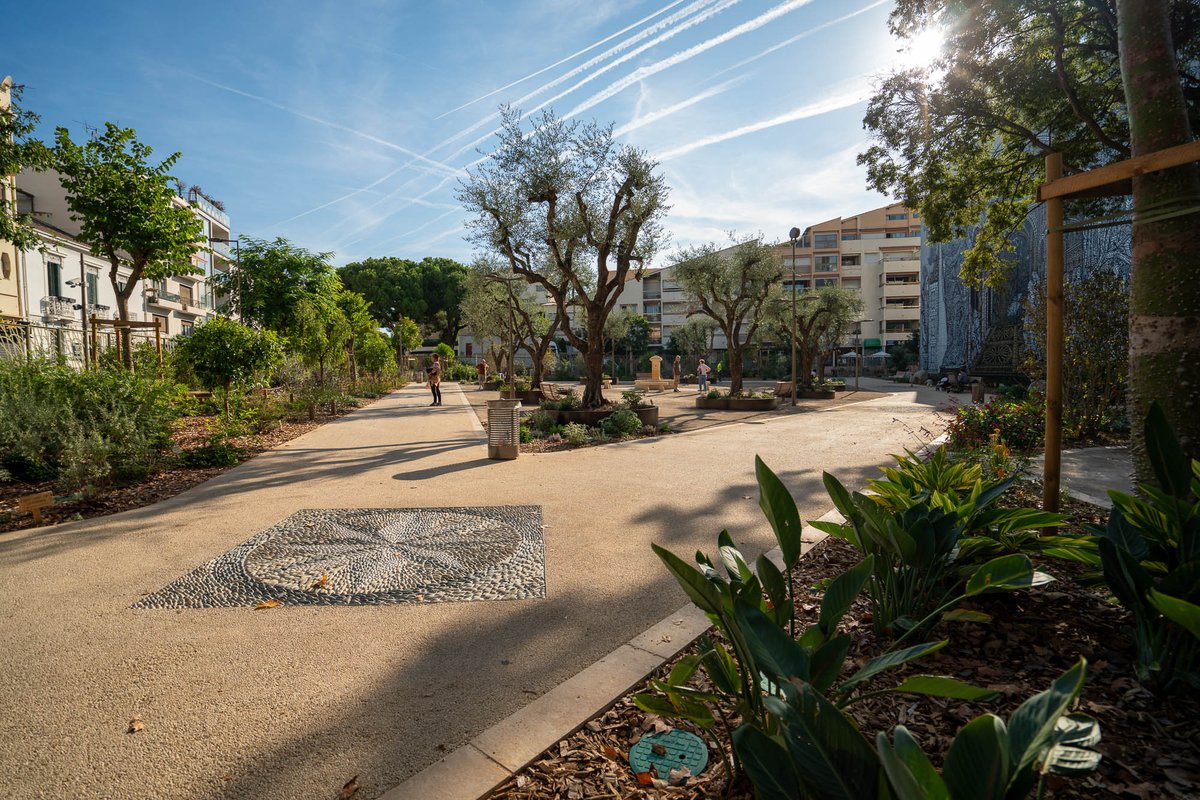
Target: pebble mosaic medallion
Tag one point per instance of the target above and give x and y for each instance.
(374, 556)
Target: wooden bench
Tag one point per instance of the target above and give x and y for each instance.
(550, 391)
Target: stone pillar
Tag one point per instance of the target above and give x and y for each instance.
(655, 367)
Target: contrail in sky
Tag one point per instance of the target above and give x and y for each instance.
(655, 116)
(650, 69)
(851, 95)
(703, 16)
(437, 165)
(802, 35)
(561, 61)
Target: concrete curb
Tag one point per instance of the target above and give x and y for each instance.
(474, 770)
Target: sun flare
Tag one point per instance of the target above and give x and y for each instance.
(921, 49)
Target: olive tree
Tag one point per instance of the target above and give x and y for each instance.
(732, 287)
(572, 211)
(816, 313)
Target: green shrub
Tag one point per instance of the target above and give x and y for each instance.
(526, 434)
(634, 398)
(543, 421)
(463, 373)
(218, 451)
(225, 355)
(1150, 553)
(665, 427)
(1021, 425)
(574, 433)
(713, 394)
(83, 428)
(621, 422)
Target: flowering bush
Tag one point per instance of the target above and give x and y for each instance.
(1020, 425)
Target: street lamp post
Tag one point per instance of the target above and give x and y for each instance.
(794, 234)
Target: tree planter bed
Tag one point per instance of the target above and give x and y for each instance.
(529, 397)
(817, 394)
(591, 417)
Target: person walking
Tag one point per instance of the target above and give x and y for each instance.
(435, 379)
(676, 368)
(702, 371)
(717, 375)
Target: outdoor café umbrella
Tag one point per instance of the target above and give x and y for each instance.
(880, 354)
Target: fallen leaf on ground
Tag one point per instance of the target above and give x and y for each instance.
(268, 604)
(135, 724)
(320, 584)
(350, 789)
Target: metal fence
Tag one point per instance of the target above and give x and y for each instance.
(19, 341)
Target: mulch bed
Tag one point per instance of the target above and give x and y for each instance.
(190, 433)
(1151, 747)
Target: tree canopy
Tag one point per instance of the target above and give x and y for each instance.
(732, 287)
(18, 150)
(427, 291)
(275, 281)
(829, 307)
(572, 211)
(224, 354)
(964, 139)
(501, 307)
(127, 209)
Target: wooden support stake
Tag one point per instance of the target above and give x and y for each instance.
(34, 503)
(1052, 472)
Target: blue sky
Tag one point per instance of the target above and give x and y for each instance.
(345, 126)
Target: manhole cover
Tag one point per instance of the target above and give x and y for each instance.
(668, 751)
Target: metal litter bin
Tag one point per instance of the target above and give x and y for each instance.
(504, 428)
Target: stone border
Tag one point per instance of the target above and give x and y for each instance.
(474, 770)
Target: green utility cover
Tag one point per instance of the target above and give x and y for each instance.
(675, 749)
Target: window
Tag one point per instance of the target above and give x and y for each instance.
(897, 234)
(900, 257)
(470, 349)
(827, 264)
(849, 236)
(53, 278)
(823, 282)
(93, 288)
(164, 323)
(186, 328)
(872, 258)
(851, 261)
(852, 283)
(893, 217)
(825, 241)
(872, 235)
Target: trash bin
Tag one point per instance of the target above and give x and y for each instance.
(977, 392)
(504, 428)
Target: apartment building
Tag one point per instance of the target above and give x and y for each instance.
(878, 254)
(61, 282)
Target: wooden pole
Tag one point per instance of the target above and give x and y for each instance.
(158, 341)
(95, 344)
(83, 289)
(1052, 472)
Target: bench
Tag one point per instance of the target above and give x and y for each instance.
(550, 391)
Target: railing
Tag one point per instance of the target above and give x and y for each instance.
(55, 306)
(157, 296)
(50, 342)
(98, 311)
(221, 249)
(207, 207)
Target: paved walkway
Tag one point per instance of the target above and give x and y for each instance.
(294, 701)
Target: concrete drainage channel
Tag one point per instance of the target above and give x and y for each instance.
(472, 771)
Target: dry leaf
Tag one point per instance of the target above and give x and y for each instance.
(135, 724)
(610, 752)
(645, 778)
(678, 777)
(268, 604)
(320, 584)
(350, 789)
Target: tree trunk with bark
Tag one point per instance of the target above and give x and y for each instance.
(593, 361)
(1164, 314)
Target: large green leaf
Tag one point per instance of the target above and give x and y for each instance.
(775, 585)
(701, 591)
(767, 763)
(677, 706)
(732, 558)
(1124, 536)
(1172, 467)
(722, 669)
(776, 502)
(938, 686)
(977, 764)
(826, 661)
(831, 757)
(892, 658)
(909, 771)
(1031, 727)
(840, 496)
(1006, 573)
(1179, 611)
(840, 594)
(774, 651)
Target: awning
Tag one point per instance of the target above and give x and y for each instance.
(872, 343)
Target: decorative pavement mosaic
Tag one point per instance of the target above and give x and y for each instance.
(374, 556)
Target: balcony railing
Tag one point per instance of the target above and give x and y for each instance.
(202, 203)
(159, 296)
(221, 249)
(55, 306)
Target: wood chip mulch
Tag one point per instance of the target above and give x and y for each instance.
(172, 479)
(1151, 747)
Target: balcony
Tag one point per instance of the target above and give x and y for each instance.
(202, 203)
(160, 297)
(221, 249)
(58, 307)
(99, 311)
